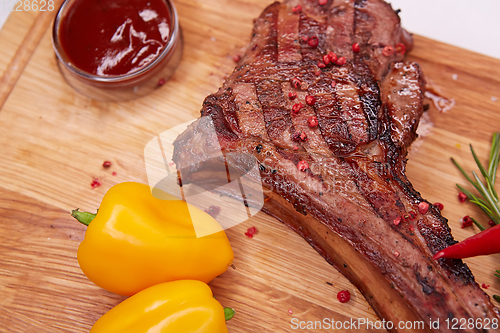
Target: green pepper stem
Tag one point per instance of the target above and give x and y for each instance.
(83, 217)
(229, 313)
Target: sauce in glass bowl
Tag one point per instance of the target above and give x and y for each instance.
(116, 50)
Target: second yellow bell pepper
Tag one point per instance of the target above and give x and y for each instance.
(172, 307)
(137, 240)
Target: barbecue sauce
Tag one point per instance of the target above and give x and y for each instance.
(114, 37)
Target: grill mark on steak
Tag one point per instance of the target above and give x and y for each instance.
(333, 127)
(339, 29)
(277, 118)
(226, 130)
(288, 36)
(369, 96)
(355, 185)
(250, 116)
(310, 28)
(266, 47)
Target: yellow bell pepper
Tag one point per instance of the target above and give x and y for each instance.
(136, 241)
(174, 307)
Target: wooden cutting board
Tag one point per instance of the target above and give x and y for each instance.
(54, 141)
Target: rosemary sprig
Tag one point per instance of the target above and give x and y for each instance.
(488, 199)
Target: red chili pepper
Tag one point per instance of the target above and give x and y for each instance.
(356, 48)
(484, 243)
(344, 296)
(313, 41)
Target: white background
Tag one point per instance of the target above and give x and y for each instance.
(473, 25)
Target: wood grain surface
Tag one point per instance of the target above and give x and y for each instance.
(53, 143)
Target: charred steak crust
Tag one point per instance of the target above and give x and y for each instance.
(353, 203)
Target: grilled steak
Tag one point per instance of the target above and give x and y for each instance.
(330, 137)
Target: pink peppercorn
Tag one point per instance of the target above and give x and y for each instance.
(302, 166)
(344, 296)
(466, 221)
(312, 121)
(95, 183)
(397, 220)
(341, 61)
(423, 207)
(313, 41)
(296, 83)
(296, 108)
(332, 56)
(297, 9)
(251, 232)
(439, 206)
(310, 100)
